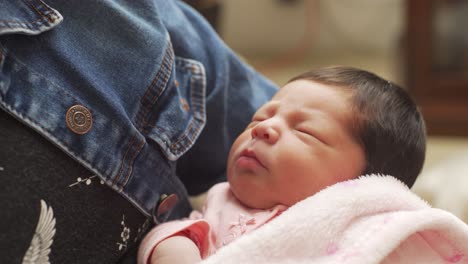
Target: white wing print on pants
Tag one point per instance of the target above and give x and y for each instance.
(39, 250)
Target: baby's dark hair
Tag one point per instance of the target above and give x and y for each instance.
(388, 124)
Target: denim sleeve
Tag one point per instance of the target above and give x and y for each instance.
(167, 97)
(113, 59)
(234, 90)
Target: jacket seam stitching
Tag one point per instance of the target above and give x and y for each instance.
(132, 152)
(193, 127)
(31, 4)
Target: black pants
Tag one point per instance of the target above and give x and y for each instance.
(93, 224)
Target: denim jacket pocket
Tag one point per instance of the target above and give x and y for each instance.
(29, 17)
(180, 113)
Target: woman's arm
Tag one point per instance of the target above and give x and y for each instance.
(176, 250)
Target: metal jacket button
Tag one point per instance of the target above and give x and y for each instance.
(79, 119)
(165, 205)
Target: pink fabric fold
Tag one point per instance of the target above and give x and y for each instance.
(223, 220)
(373, 219)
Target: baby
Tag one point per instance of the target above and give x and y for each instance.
(323, 127)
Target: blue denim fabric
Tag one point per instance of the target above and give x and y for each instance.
(167, 96)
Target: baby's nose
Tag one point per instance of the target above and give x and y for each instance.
(265, 132)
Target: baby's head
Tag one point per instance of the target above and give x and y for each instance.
(323, 127)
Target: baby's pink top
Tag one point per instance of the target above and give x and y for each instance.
(223, 219)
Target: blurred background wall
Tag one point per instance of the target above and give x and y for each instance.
(277, 34)
(333, 25)
(420, 44)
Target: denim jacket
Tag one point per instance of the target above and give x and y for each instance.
(164, 96)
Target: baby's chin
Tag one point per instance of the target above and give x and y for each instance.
(255, 204)
(251, 199)
(249, 192)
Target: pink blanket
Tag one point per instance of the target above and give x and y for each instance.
(373, 219)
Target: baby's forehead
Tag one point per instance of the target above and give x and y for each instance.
(310, 93)
(334, 107)
(345, 90)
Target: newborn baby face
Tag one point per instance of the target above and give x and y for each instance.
(297, 144)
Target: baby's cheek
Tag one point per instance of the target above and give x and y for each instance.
(240, 140)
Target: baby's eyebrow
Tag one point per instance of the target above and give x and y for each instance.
(270, 107)
(305, 113)
(301, 115)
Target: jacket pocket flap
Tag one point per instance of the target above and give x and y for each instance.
(29, 17)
